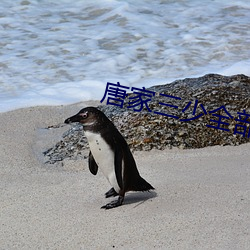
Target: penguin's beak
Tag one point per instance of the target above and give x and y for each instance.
(74, 118)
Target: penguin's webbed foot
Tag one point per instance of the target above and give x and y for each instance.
(111, 193)
(113, 204)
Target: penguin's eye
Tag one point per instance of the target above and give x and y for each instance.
(84, 115)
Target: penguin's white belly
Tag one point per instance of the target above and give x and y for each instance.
(104, 157)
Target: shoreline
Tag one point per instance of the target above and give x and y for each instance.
(201, 198)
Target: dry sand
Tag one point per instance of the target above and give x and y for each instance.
(201, 201)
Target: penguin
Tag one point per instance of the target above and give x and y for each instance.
(110, 152)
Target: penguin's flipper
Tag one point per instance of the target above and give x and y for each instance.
(111, 193)
(118, 166)
(93, 167)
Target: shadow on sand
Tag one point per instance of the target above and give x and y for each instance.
(138, 198)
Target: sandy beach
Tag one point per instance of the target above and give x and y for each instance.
(201, 198)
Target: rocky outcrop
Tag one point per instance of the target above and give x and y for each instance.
(209, 110)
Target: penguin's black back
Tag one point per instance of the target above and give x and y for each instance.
(131, 178)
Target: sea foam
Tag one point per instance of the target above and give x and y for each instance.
(63, 52)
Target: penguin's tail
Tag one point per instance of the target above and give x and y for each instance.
(141, 185)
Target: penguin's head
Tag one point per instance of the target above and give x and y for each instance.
(88, 117)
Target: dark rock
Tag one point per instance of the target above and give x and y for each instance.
(146, 130)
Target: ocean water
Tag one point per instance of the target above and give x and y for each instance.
(61, 52)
